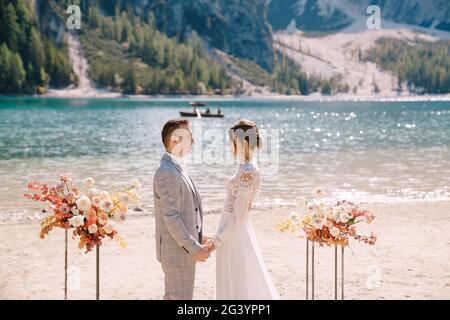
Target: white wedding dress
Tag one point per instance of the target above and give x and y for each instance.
(240, 270)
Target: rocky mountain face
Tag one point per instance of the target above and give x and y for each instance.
(238, 27)
(429, 14)
(50, 23)
(333, 15)
(307, 15)
(330, 38)
(251, 31)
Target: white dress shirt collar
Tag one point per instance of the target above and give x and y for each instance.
(177, 160)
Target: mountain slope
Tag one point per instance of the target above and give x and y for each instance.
(342, 54)
(31, 56)
(307, 15)
(429, 14)
(237, 27)
(334, 15)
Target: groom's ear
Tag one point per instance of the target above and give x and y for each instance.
(169, 127)
(174, 138)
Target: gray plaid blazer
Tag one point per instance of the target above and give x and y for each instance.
(178, 207)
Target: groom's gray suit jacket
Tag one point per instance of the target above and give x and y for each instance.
(178, 209)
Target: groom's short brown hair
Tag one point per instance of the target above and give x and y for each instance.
(170, 127)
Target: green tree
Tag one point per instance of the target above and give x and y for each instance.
(18, 74)
(12, 28)
(131, 82)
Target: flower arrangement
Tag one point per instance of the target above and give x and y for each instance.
(89, 214)
(329, 224)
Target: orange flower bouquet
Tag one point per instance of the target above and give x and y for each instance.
(329, 224)
(90, 214)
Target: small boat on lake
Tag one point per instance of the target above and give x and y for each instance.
(201, 114)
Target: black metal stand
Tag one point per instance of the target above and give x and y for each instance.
(307, 270)
(65, 267)
(97, 291)
(335, 271)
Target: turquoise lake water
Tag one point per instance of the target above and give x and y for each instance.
(372, 151)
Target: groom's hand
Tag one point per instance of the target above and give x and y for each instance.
(202, 255)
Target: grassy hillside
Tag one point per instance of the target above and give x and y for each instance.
(287, 78)
(130, 55)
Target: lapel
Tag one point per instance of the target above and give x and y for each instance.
(198, 198)
(182, 173)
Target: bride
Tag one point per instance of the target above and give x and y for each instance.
(240, 270)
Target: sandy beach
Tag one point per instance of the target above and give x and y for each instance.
(411, 259)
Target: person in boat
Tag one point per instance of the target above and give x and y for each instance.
(207, 110)
(219, 111)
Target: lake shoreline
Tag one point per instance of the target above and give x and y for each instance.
(34, 217)
(275, 97)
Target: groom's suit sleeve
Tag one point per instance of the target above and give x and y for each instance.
(167, 188)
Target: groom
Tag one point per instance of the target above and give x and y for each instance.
(178, 214)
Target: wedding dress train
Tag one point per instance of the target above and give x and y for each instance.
(240, 269)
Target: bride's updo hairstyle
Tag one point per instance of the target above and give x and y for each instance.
(244, 134)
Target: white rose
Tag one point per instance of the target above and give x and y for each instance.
(335, 232)
(76, 221)
(137, 185)
(75, 211)
(83, 203)
(336, 210)
(318, 222)
(108, 228)
(104, 195)
(344, 218)
(93, 228)
(330, 215)
(96, 201)
(92, 192)
(89, 182)
(106, 205)
(311, 206)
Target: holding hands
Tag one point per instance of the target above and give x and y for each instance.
(207, 248)
(202, 255)
(208, 244)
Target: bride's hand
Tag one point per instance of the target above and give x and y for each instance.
(205, 240)
(209, 246)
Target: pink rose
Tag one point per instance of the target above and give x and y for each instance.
(92, 228)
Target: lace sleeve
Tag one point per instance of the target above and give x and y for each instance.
(242, 189)
(255, 185)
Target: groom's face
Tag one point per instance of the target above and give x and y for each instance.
(182, 141)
